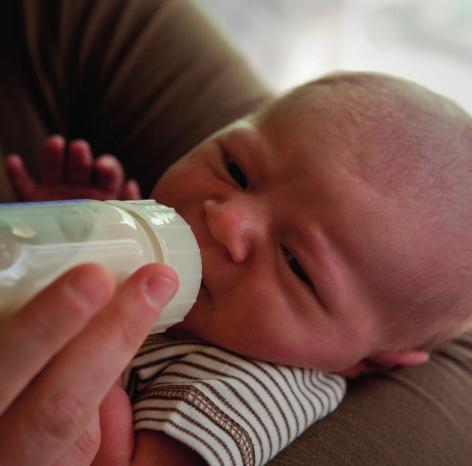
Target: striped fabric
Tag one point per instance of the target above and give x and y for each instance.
(231, 410)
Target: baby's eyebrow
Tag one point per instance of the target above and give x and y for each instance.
(247, 144)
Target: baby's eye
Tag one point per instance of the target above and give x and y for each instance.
(236, 172)
(297, 269)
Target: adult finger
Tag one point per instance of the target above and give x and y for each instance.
(79, 163)
(52, 160)
(30, 338)
(84, 450)
(56, 404)
(116, 429)
(109, 175)
(22, 183)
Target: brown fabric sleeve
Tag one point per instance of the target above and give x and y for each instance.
(419, 416)
(143, 79)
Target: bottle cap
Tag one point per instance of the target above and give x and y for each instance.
(178, 248)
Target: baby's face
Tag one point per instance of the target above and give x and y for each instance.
(294, 243)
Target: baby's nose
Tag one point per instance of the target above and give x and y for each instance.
(233, 225)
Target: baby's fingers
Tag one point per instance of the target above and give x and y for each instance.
(131, 191)
(79, 165)
(52, 161)
(22, 183)
(110, 175)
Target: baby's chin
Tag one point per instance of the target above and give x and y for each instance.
(189, 327)
(181, 333)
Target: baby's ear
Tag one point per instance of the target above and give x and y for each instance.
(390, 359)
(384, 361)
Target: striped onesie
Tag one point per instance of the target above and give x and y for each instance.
(230, 409)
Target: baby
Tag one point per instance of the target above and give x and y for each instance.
(334, 225)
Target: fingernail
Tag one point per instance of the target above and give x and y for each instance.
(57, 137)
(159, 289)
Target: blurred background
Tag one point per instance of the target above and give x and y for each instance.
(291, 41)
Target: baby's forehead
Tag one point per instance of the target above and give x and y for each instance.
(309, 122)
(324, 115)
(368, 135)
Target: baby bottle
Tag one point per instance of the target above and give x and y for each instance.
(41, 240)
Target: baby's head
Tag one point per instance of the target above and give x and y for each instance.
(334, 225)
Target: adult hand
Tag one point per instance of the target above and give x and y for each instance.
(70, 173)
(60, 355)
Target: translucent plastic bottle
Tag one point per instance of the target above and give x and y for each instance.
(41, 240)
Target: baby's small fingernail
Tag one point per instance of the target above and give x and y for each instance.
(107, 159)
(56, 137)
(159, 289)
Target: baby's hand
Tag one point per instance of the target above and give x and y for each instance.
(71, 175)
